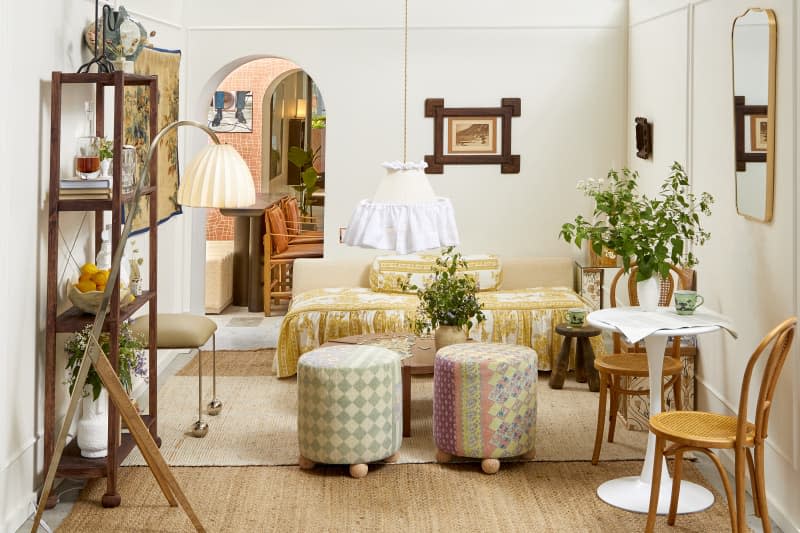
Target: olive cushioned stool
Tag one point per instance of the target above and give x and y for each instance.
(349, 406)
(182, 330)
(484, 402)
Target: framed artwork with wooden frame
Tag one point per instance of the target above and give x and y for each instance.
(472, 135)
(758, 133)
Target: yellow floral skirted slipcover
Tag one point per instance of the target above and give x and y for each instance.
(522, 316)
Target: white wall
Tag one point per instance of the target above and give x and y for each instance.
(24, 146)
(748, 270)
(566, 61)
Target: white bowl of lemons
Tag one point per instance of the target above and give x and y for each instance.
(87, 293)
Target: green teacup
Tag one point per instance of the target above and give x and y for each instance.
(687, 301)
(576, 316)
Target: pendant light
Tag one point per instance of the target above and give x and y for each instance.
(404, 215)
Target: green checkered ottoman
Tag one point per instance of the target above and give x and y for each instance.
(484, 402)
(349, 406)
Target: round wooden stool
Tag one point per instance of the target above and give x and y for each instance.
(584, 356)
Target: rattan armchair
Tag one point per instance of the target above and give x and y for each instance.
(702, 432)
(279, 255)
(614, 368)
(301, 229)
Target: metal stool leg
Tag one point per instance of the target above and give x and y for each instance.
(214, 406)
(200, 428)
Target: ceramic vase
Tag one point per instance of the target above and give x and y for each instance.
(446, 335)
(105, 167)
(93, 425)
(647, 291)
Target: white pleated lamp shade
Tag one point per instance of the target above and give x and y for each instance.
(404, 216)
(217, 177)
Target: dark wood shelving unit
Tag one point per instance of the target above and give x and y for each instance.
(120, 444)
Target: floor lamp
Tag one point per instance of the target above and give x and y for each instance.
(217, 177)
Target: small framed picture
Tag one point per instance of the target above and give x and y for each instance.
(231, 112)
(758, 133)
(472, 135)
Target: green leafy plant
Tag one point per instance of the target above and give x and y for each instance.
(304, 160)
(655, 232)
(132, 360)
(318, 122)
(106, 149)
(449, 298)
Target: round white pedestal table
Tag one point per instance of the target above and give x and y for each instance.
(632, 493)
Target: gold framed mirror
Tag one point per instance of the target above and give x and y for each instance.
(753, 49)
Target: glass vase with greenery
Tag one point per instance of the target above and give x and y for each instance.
(653, 232)
(449, 298)
(131, 358)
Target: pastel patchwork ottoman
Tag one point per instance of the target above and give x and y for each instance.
(484, 402)
(349, 406)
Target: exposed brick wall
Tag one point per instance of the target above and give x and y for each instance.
(255, 76)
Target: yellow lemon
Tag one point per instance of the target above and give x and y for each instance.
(86, 286)
(85, 277)
(89, 268)
(101, 288)
(100, 277)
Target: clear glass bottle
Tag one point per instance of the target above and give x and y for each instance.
(87, 157)
(104, 258)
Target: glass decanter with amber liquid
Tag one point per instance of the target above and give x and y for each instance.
(87, 159)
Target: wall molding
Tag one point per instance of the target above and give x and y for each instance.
(27, 445)
(689, 4)
(399, 28)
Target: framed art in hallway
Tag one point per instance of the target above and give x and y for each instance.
(231, 112)
(758, 133)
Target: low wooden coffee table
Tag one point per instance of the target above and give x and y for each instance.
(420, 362)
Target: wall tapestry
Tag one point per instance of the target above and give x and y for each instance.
(166, 65)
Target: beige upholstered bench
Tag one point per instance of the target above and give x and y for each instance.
(219, 275)
(187, 331)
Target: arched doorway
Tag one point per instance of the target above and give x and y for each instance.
(265, 108)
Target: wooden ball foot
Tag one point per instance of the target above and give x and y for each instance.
(443, 457)
(392, 458)
(359, 470)
(490, 466)
(305, 463)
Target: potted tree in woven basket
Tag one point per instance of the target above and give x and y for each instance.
(653, 232)
(448, 302)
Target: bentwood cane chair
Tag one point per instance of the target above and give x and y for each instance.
(702, 432)
(616, 367)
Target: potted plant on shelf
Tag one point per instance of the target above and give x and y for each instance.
(448, 303)
(653, 232)
(93, 423)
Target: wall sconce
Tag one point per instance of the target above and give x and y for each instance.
(644, 138)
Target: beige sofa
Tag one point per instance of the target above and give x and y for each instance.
(332, 298)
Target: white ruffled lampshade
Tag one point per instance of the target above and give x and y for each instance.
(217, 177)
(405, 215)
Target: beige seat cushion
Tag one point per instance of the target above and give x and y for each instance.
(177, 330)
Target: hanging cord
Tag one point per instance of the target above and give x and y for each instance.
(405, 81)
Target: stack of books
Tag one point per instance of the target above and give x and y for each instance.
(76, 188)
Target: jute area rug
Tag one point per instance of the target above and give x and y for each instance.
(258, 423)
(257, 427)
(522, 497)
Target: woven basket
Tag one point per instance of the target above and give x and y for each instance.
(89, 302)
